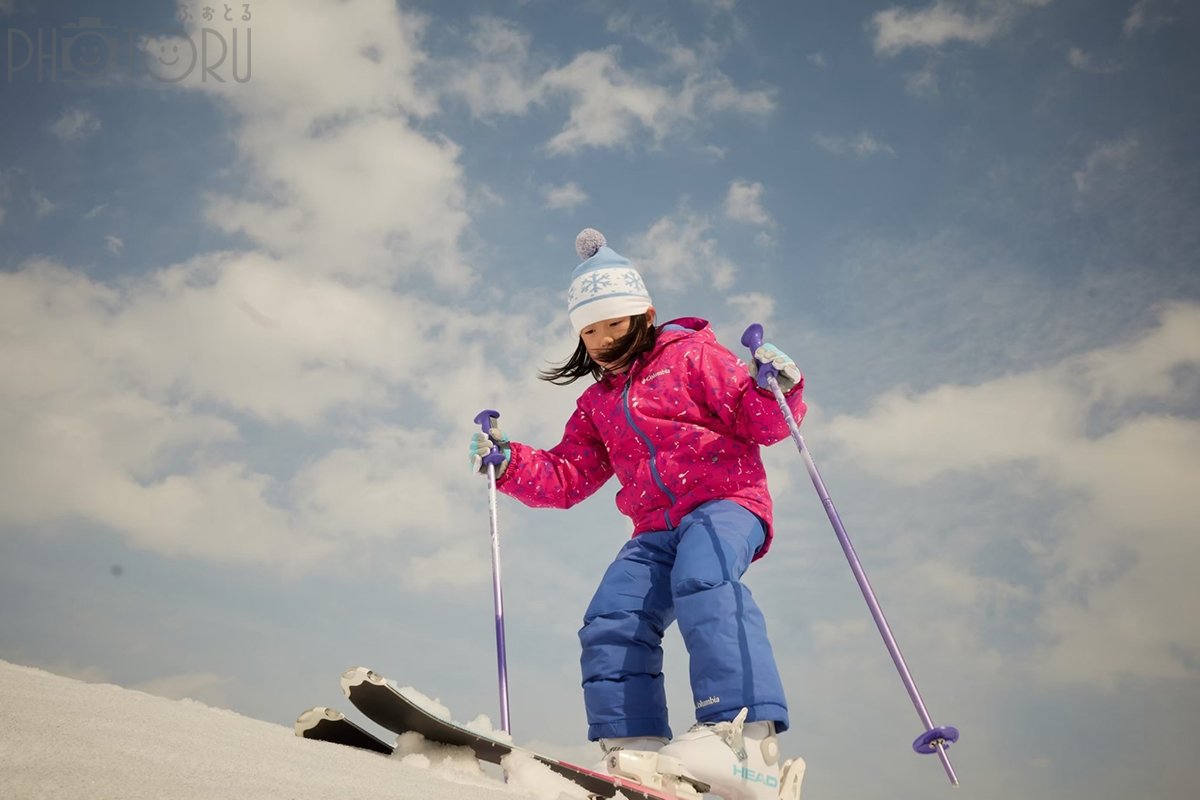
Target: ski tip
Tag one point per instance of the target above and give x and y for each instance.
(356, 676)
(314, 717)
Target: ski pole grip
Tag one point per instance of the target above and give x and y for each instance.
(484, 420)
(752, 337)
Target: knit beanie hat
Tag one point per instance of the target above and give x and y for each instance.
(605, 285)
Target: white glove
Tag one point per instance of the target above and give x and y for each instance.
(789, 374)
(481, 445)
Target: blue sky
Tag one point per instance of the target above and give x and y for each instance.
(250, 311)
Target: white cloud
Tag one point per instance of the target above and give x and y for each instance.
(84, 442)
(499, 78)
(1147, 15)
(135, 406)
(1113, 432)
(114, 245)
(718, 93)
(944, 21)
(861, 145)
(74, 124)
(608, 105)
(743, 203)
(677, 251)
(279, 344)
(1147, 368)
(897, 29)
(373, 199)
(1136, 19)
(758, 306)
(341, 183)
(456, 567)
(818, 60)
(922, 82)
(1085, 62)
(42, 205)
(661, 108)
(359, 59)
(352, 491)
(129, 406)
(567, 196)
(1103, 159)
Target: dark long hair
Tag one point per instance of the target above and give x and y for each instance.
(638, 339)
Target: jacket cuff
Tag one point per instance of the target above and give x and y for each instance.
(508, 470)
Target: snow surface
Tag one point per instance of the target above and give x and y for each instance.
(61, 738)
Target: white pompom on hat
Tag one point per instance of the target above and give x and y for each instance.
(605, 285)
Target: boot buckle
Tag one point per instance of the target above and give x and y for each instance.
(661, 773)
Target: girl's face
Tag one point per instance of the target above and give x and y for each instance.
(600, 336)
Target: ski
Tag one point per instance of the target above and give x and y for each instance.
(383, 704)
(328, 725)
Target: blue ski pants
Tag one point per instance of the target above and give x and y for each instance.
(691, 573)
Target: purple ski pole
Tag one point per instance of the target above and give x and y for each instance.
(492, 459)
(934, 739)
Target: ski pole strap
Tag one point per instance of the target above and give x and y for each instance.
(753, 338)
(484, 420)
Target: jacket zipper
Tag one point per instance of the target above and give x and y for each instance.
(649, 446)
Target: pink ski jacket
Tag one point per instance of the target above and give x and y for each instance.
(682, 426)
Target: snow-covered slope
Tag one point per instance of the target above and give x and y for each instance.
(64, 739)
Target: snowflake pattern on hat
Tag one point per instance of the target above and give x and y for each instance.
(594, 282)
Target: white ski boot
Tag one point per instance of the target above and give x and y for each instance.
(637, 759)
(739, 761)
(640, 744)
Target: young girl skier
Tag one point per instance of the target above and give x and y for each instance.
(679, 420)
